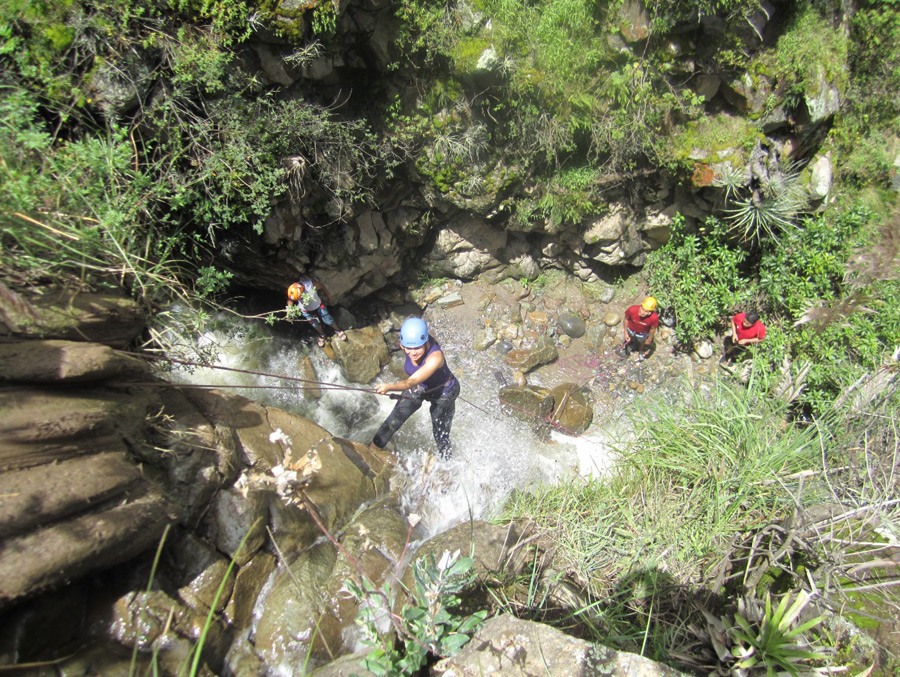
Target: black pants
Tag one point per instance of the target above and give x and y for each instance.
(442, 409)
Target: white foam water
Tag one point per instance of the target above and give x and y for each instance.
(493, 454)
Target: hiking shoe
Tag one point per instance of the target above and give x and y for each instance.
(341, 335)
(321, 341)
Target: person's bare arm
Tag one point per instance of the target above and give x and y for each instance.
(432, 363)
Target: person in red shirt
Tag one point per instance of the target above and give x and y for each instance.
(746, 330)
(639, 327)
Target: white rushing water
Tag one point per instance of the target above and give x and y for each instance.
(492, 453)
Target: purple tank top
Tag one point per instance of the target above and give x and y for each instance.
(441, 380)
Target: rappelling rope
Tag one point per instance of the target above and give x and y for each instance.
(321, 385)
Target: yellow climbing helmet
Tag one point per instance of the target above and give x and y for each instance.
(649, 304)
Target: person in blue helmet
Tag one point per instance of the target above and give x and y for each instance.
(429, 379)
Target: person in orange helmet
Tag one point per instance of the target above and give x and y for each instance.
(639, 327)
(305, 294)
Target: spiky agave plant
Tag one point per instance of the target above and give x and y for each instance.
(733, 179)
(769, 208)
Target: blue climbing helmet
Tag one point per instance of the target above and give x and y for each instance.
(413, 333)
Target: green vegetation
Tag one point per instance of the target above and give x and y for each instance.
(687, 539)
(842, 325)
(131, 140)
(812, 50)
(699, 277)
(427, 626)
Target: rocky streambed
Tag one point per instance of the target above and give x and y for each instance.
(138, 514)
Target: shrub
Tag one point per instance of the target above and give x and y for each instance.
(699, 277)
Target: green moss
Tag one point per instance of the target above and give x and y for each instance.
(723, 137)
(441, 95)
(59, 36)
(467, 52)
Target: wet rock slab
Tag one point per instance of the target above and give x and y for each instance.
(511, 647)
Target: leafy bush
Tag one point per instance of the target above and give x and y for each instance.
(94, 184)
(427, 625)
(699, 277)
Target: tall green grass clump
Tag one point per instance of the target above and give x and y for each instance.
(694, 478)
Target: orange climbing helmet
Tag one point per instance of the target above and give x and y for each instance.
(295, 291)
(649, 304)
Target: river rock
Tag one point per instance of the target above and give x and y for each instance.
(611, 318)
(237, 523)
(704, 350)
(450, 300)
(362, 355)
(510, 331)
(821, 176)
(634, 22)
(492, 546)
(206, 581)
(503, 346)
(307, 372)
(350, 665)
(526, 403)
(242, 660)
(572, 325)
(571, 410)
(151, 620)
(248, 583)
(376, 541)
(507, 646)
(289, 614)
(526, 359)
(484, 339)
(595, 334)
(486, 300)
(520, 379)
(537, 317)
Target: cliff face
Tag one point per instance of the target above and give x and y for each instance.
(364, 140)
(473, 193)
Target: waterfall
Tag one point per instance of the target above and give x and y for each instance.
(493, 454)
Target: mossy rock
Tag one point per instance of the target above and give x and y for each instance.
(467, 53)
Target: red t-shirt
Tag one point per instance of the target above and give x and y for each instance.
(756, 330)
(638, 324)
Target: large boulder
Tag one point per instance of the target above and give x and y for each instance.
(466, 248)
(42, 425)
(289, 615)
(511, 647)
(362, 355)
(92, 541)
(75, 316)
(526, 403)
(572, 413)
(494, 548)
(66, 361)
